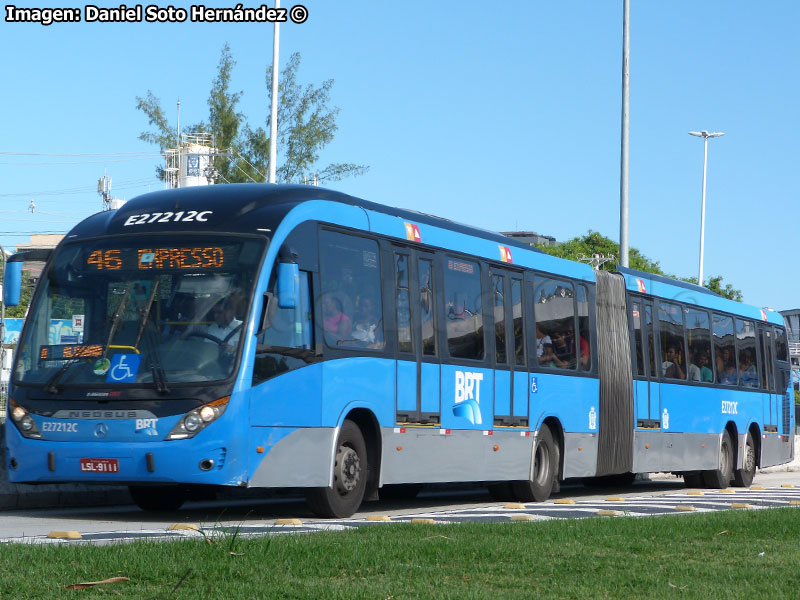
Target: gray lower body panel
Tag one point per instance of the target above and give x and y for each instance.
(776, 449)
(580, 454)
(428, 455)
(304, 458)
(654, 451)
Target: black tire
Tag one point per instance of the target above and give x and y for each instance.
(720, 478)
(694, 479)
(158, 498)
(545, 470)
(349, 477)
(502, 492)
(744, 477)
(403, 491)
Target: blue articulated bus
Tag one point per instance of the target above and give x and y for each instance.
(270, 336)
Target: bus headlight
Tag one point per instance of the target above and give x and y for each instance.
(198, 419)
(24, 421)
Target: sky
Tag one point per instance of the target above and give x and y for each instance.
(504, 115)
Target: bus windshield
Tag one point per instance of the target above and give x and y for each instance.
(139, 311)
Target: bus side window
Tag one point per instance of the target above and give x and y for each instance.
(724, 355)
(638, 349)
(673, 353)
(352, 313)
(499, 319)
(427, 305)
(517, 321)
(584, 331)
(699, 337)
(288, 341)
(554, 311)
(464, 309)
(746, 353)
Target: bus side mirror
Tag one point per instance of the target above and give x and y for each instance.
(12, 283)
(288, 285)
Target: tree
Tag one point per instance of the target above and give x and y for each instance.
(306, 125)
(596, 243)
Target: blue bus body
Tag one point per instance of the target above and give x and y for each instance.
(447, 385)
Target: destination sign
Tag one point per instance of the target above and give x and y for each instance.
(68, 351)
(130, 259)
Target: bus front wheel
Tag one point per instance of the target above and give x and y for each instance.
(545, 470)
(349, 477)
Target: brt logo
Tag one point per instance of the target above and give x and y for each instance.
(468, 396)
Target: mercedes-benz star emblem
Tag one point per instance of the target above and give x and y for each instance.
(101, 430)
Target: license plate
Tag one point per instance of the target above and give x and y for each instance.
(99, 465)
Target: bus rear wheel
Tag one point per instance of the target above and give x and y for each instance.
(744, 477)
(545, 470)
(720, 477)
(349, 477)
(158, 498)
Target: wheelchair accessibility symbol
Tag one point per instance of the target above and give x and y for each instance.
(124, 368)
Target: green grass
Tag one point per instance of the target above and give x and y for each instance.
(731, 554)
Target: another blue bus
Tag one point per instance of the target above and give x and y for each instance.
(269, 336)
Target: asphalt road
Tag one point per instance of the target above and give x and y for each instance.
(256, 515)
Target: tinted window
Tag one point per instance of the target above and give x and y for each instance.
(401, 263)
(724, 349)
(462, 288)
(584, 332)
(673, 355)
(651, 342)
(517, 319)
(781, 346)
(638, 347)
(746, 353)
(554, 311)
(351, 291)
(286, 343)
(499, 319)
(698, 333)
(426, 305)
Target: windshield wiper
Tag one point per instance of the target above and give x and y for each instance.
(50, 387)
(117, 318)
(159, 377)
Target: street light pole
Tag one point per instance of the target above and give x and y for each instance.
(273, 119)
(705, 135)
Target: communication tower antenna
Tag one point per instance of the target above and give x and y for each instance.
(104, 189)
(596, 260)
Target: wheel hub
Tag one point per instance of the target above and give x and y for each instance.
(348, 470)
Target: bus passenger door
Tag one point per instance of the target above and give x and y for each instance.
(510, 368)
(418, 378)
(770, 399)
(424, 290)
(646, 391)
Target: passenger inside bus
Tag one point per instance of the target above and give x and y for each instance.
(726, 367)
(672, 365)
(748, 376)
(336, 323)
(366, 326)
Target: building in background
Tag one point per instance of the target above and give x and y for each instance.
(531, 237)
(792, 318)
